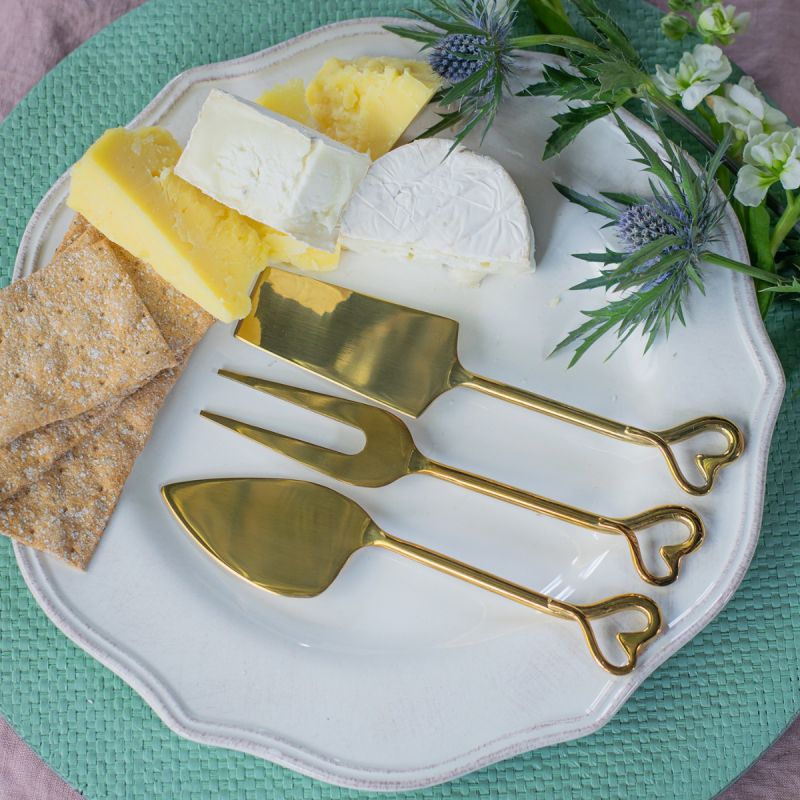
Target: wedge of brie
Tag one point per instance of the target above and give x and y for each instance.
(271, 168)
(460, 210)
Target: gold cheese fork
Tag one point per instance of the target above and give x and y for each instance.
(293, 538)
(405, 358)
(390, 454)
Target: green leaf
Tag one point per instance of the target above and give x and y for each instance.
(650, 159)
(622, 198)
(448, 25)
(551, 16)
(588, 202)
(606, 257)
(613, 35)
(719, 154)
(570, 124)
(558, 83)
(598, 282)
(463, 88)
(785, 288)
(616, 76)
(646, 252)
(446, 121)
(417, 34)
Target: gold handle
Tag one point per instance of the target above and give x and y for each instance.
(708, 464)
(631, 642)
(629, 527)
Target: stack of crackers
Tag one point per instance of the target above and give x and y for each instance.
(90, 346)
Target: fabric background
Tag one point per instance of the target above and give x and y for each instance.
(36, 34)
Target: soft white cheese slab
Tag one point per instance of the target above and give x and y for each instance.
(461, 210)
(271, 168)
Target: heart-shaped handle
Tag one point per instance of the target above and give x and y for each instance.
(631, 641)
(671, 554)
(709, 464)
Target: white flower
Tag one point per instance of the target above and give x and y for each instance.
(699, 73)
(769, 158)
(743, 107)
(722, 23)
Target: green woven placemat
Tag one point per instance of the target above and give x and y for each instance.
(695, 724)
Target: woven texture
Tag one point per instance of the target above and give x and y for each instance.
(693, 726)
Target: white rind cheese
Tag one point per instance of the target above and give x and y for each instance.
(460, 210)
(271, 168)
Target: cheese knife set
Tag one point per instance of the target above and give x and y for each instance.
(293, 538)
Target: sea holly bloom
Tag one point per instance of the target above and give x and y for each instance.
(472, 50)
(720, 23)
(743, 107)
(699, 73)
(769, 158)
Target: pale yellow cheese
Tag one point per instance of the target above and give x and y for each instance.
(369, 102)
(284, 249)
(125, 186)
(288, 99)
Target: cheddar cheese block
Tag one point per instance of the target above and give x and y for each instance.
(289, 99)
(126, 187)
(369, 102)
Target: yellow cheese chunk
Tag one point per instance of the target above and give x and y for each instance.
(369, 102)
(125, 186)
(288, 99)
(283, 249)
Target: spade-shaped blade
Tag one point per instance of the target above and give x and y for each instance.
(289, 537)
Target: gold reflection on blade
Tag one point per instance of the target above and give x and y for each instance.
(397, 355)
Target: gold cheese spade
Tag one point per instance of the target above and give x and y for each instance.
(293, 538)
(405, 358)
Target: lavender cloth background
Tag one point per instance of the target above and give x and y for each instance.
(37, 34)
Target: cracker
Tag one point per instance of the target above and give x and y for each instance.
(78, 226)
(182, 322)
(73, 336)
(24, 460)
(67, 511)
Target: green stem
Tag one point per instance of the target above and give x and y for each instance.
(553, 40)
(738, 266)
(684, 120)
(787, 221)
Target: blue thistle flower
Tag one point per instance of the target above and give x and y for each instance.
(644, 223)
(448, 56)
(641, 224)
(665, 240)
(472, 50)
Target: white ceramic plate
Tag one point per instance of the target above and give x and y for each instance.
(398, 677)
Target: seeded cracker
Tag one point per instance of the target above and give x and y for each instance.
(182, 322)
(66, 512)
(73, 336)
(24, 460)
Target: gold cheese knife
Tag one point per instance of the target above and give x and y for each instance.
(405, 358)
(293, 538)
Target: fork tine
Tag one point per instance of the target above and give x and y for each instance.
(350, 412)
(320, 458)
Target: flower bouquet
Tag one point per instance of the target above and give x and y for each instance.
(664, 241)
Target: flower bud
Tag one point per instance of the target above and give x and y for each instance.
(674, 27)
(720, 23)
